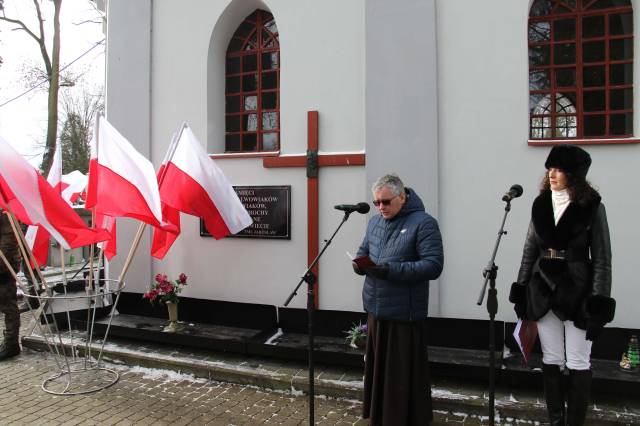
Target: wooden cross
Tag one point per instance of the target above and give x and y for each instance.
(313, 161)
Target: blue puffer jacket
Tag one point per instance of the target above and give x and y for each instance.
(411, 245)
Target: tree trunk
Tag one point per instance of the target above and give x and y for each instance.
(54, 86)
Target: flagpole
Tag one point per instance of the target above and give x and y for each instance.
(136, 242)
(24, 249)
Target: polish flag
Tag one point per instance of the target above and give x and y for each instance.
(73, 184)
(192, 183)
(122, 182)
(109, 248)
(35, 202)
(38, 237)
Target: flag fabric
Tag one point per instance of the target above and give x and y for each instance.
(35, 202)
(72, 185)
(192, 183)
(38, 237)
(109, 248)
(122, 182)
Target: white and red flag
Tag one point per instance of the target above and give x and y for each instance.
(122, 182)
(192, 183)
(35, 202)
(73, 184)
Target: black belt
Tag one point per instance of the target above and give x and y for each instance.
(567, 255)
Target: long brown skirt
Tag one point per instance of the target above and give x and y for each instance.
(397, 384)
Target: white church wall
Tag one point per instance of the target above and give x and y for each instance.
(402, 102)
(483, 122)
(322, 67)
(128, 108)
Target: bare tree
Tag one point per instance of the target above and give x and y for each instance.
(52, 67)
(77, 130)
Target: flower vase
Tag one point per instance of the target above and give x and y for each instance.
(173, 317)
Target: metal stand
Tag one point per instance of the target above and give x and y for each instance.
(490, 273)
(78, 372)
(310, 279)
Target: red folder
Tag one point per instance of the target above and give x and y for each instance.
(526, 333)
(364, 262)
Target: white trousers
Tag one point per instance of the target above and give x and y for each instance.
(563, 343)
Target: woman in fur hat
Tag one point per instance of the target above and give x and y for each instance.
(564, 283)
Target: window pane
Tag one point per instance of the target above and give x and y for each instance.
(538, 55)
(267, 41)
(271, 27)
(594, 101)
(233, 65)
(269, 120)
(593, 51)
(566, 77)
(565, 103)
(621, 24)
(233, 85)
(564, 29)
(566, 127)
(539, 104)
(249, 142)
(564, 53)
(244, 29)
(249, 63)
(621, 74)
(269, 100)
(270, 141)
(269, 80)
(233, 104)
(621, 99)
(250, 82)
(570, 3)
(593, 76)
(250, 103)
(594, 125)
(541, 7)
(540, 127)
(539, 31)
(621, 124)
(235, 44)
(232, 123)
(250, 122)
(593, 26)
(621, 49)
(605, 4)
(270, 61)
(232, 143)
(538, 80)
(253, 42)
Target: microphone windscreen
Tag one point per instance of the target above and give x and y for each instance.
(363, 208)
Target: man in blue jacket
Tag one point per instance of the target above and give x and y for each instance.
(405, 244)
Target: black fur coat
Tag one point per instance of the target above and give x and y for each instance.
(577, 288)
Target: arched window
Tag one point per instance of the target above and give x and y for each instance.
(580, 69)
(252, 111)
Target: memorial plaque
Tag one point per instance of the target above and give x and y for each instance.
(270, 209)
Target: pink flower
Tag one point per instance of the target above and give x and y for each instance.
(182, 278)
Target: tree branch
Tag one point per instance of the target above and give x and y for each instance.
(22, 26)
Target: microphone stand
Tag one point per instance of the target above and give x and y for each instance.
(490, 273)
(310, 278)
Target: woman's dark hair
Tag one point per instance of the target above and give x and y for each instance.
(579, 189)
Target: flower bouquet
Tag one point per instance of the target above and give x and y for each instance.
(357, 336)
(165, 291)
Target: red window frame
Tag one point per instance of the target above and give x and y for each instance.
(252, 86)
(565, 117)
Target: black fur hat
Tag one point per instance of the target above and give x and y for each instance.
(570, 159)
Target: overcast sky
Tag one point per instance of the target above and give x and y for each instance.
(23, 121)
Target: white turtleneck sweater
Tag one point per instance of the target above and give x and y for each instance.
(560, 200)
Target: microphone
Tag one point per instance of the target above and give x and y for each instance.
(514, 192)
(350, 208)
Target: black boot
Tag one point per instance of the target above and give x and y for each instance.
(10, 347)
(578, 397)
(554, 394)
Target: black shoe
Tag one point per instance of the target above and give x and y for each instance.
(9, 351)
(578, 398)
(554, 394)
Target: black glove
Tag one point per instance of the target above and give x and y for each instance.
(594, 329)
(521, 310)
(357, 269)
(381, 271)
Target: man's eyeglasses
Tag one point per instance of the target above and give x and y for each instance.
(383, 202)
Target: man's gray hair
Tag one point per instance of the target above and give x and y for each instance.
(391, 181)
